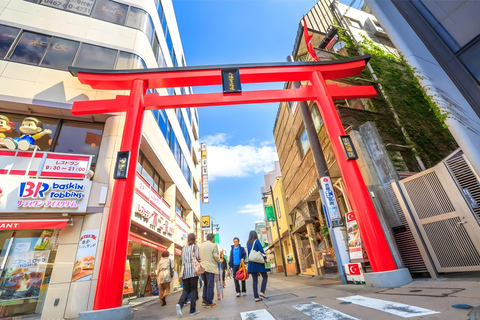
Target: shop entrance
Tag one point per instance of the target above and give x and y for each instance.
(110, 282)
(26, 264)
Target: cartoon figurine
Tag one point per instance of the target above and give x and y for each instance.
(5, 126)
(32, 130)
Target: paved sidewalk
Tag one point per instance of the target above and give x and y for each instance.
(298, 298)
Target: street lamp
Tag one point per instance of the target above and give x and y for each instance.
(265, 197)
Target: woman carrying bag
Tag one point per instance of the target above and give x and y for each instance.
(164, 276)
(256, 265)
(190, 260)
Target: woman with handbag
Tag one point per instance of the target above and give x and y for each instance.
(190, 261)
(164, 276)
(256, 265)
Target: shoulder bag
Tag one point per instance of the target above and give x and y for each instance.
(242, 273)
(197, 267)
(256, 256)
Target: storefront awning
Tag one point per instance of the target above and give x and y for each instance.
(21, 224)
(146, 242)
(178, 252)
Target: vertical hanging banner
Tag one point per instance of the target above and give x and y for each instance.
(86, 252)
(354, 240)
(331, 201)
(205, 198)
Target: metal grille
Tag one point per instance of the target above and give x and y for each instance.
(451, 243)
(428, 196)
(407, 247)
(465, 179)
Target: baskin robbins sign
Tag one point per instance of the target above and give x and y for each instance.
(23, 194)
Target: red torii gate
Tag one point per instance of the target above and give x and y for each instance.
(111, 274)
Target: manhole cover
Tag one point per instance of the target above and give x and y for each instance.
(415, 290)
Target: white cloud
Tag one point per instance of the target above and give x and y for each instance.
(226, 161)
(255, 210)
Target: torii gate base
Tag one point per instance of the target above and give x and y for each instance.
(111, 274)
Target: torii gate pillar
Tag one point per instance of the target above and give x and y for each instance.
(111, 274)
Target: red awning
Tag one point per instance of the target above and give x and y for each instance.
(145, 242)
(179, 252)
(20, 224)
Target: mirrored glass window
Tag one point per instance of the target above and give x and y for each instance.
(60, 53)
(30, 48)
(80, 138)
(7, 37)
(304, 143)
(128, 61)
(96, 57)
(471, 59)
(110, 11)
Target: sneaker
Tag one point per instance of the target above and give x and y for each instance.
(219, 297)
(238, 294)
(194, 313)
(179, 311)
(244, 293)
(212, 305)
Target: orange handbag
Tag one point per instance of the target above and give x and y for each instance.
(242, 273)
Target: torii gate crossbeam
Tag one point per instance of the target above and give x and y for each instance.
(111, 274)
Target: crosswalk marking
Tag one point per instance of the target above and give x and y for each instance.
(399, 309)
(318, 312)
(261, 314)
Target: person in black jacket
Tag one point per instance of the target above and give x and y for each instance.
(223, 261)
(237, 255)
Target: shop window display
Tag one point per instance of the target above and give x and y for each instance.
(27, 260)
(44, 142)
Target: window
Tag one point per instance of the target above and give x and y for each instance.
(156, 47)
(470, 59)
(80, 137)
(378, 26)
(140, 19)
(44, 142)
(110, 11)
(150, 174)
(60, 53)
(95, 57)
(303, 142)
(356, 104)
(30, 48)
(7, 37)
(78, 6)
(354, 23)
(128, 61)
(169, 44)
(278, 208)
(317, 120)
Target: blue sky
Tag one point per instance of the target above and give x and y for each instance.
(240, 144)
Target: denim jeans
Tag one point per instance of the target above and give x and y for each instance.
(208, 285)
(255, 283)
(237, 284)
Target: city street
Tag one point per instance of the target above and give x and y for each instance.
(297, 297)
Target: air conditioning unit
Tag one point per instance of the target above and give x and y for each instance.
(376, 28)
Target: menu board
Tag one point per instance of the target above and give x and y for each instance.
(354, 240)
(85, 261)
(128, 286)
(24, 276)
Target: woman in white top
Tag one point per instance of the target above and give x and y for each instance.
(164, 276)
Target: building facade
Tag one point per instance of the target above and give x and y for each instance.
(55, 191)
(441, 40)
(339, 31)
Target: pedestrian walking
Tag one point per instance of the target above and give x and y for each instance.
(237, 255)
(210, 258)
(190, 252)
(164, 276)
(223, 261)
(256, 265)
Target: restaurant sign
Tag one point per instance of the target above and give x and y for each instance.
(21, 194)
(146, 215)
